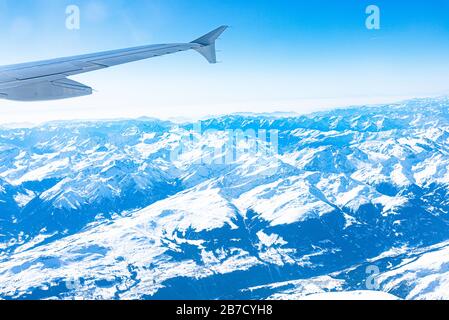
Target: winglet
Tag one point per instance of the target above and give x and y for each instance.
(207, 43)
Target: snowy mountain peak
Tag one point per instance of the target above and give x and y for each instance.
(143, 208)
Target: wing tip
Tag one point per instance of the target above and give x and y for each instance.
(207, 43)
(210, 38)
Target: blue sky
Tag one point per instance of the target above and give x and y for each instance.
(290, 55)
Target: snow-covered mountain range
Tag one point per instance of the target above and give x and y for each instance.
(346, 203)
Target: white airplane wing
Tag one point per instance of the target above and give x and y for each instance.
(48, 80)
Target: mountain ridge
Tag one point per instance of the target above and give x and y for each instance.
(142, 208)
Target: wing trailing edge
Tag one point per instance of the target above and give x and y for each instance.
(47, 90)
(207, 42)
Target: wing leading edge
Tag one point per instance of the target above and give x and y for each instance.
(48, 80)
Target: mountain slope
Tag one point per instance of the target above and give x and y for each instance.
(240, 206)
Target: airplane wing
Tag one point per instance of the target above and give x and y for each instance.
(48, 80)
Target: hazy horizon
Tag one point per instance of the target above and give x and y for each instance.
(185, 119)
(295, 56)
